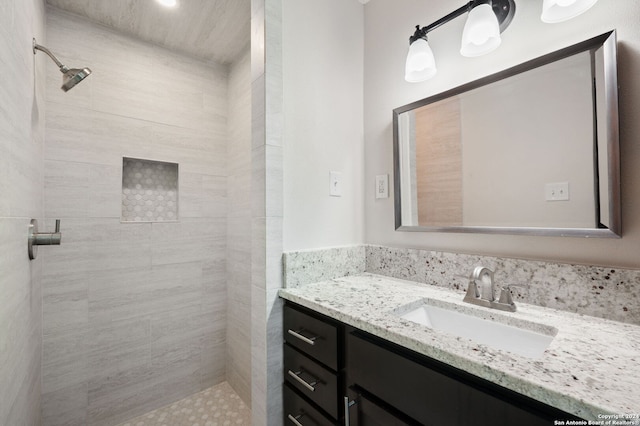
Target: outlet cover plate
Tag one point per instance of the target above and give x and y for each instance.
(558, 191)
(382, 186)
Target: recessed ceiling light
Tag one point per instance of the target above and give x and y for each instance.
(168, 3)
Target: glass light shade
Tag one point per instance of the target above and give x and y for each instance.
(561, 10)
(168, 3)
(481, 32)
(421, 65)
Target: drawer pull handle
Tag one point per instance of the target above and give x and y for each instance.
(294, 420)
(303, 382)
(309, 340)
(347, 405)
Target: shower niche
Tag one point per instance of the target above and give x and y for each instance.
(149, 191)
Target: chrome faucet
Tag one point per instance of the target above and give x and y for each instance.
(482, 290)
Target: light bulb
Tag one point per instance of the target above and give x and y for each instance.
(481, 33)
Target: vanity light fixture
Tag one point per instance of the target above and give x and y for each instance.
(481, 35)
(561, 10)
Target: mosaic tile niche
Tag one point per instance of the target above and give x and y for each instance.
(149, 191)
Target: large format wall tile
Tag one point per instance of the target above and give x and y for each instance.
(267, 198)
(238, 203)
(22, 128)
(135, 313)
(20, 322)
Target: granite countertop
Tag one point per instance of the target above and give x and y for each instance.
(590, 369)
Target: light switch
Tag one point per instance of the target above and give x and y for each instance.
(558, 191)
(382, 186)
(335, 184)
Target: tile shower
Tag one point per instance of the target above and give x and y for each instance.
(135, 300)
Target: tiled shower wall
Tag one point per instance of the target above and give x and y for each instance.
(134, 313)
(239, 230)
(22, 114)
(267, 211)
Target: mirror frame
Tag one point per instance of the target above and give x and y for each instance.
(608, 43)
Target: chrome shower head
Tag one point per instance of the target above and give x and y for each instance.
(74, 76)
(70, 77)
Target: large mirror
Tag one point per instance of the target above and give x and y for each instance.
(531, 150)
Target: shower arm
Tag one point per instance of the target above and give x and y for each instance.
(36, 46)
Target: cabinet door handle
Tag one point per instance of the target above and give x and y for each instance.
(347, 404)
(310, 386)
(309, 340)
(294, 420)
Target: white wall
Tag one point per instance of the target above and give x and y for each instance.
(389, 23)
(323, 115)
(22, 120)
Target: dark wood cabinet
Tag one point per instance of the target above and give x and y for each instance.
(312, 380)
(313, 368)
(299, 411)
(360, 379)
(429, 392)
(316, 336)
(364, 409)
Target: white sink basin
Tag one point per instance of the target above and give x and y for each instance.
(490, 332)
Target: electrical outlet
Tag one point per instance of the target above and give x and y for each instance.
(556, 191)
(382, 186)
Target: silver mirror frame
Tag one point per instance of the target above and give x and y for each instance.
(609, 45)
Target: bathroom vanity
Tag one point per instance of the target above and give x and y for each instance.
(351, 357)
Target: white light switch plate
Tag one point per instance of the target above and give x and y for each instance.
(382, 186)
(335, 184)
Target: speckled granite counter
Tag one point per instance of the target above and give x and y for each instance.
(591, 368)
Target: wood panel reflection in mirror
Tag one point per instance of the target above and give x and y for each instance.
(531, 150)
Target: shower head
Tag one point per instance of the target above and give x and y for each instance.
(74, 76)
(70, 77)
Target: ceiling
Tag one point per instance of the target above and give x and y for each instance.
(211, 30)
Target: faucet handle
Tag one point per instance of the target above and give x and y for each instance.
(472, 291)
(505, 294)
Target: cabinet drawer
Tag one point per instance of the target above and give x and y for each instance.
(311, 335)
(312, 380)
(297, 409)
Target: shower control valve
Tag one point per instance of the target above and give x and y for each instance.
(36, 238)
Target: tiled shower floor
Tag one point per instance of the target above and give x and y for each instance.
(216, 406)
